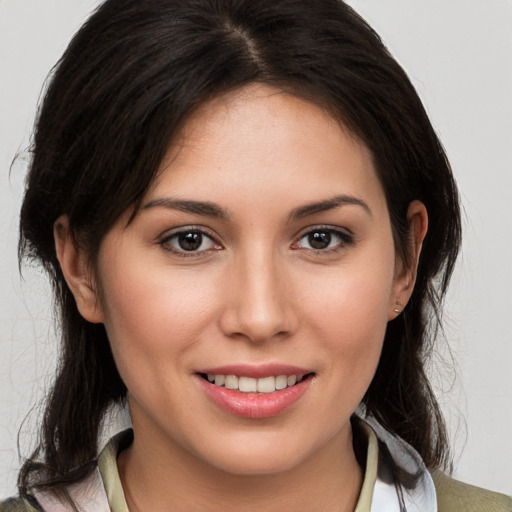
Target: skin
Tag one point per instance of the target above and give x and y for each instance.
(256, 292)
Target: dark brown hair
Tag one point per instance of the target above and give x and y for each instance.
(128, 79)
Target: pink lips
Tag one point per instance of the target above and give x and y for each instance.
(255, 405)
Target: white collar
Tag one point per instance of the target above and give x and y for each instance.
(421, 498)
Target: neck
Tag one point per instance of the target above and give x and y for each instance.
(330, 481)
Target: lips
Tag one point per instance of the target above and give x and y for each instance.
(255, 391)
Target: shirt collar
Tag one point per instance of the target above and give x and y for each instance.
(387, 495)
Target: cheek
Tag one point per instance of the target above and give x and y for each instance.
(353, 309)
(351, 301)
(348, 313)
(354, 331)
(149, 312)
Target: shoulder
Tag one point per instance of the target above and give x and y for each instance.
(19, 505)
(455, 496)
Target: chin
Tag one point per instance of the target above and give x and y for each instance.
(258, 464)
(265, 455)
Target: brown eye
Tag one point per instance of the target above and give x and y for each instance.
(189, 241)
(319, 239)
(324, 239)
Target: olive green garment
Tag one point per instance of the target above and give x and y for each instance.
(455, 496)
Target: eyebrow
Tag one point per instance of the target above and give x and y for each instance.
(210, 209)
(328, 204)
(188, 206)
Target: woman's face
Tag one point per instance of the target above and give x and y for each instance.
(262, 254)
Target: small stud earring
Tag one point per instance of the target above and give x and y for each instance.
(398, 307)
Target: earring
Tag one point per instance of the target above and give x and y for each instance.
(398, 307)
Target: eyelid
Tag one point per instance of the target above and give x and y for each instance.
(346, 235)
(164, 240)
(325, 227)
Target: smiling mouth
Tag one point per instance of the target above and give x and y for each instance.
(262, 385)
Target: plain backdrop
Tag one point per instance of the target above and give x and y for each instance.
(458, 54)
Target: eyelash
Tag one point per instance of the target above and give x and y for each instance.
(165, 242)
(344, 239)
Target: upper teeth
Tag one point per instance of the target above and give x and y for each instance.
(250, 385)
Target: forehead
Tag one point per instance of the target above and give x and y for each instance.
(260, 141)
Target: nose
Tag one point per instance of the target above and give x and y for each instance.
(259, 305)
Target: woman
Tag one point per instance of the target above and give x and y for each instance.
(248, 221)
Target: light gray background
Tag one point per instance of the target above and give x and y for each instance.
(459, 55)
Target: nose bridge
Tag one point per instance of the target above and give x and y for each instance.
(259, 309)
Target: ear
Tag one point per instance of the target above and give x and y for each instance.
(76, 272)
(405, 277)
